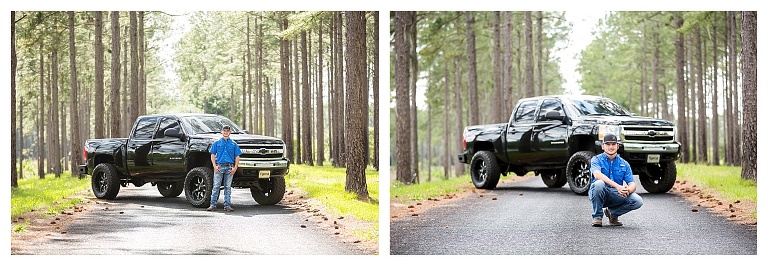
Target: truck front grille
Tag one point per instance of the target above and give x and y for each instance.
(648, 134)
(261, 152)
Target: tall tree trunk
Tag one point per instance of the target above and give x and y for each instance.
(446, 111)
(257, 58)
(247, 117)
(459, 112)
(474, 113)
(14, 181)
(375, 90)
(126, 111)
(297, 99)
(539, 50)
(692, 103)
(429, 143)
(357, 104)
(55, 133)
(681, 92)
(644, 66)
(339, 80)
(736, 131)
(402, 72)
(655, 58)
(306, 103)
(99, 76)
(134, 106)
(41, 128)
(414, 61)
(528, 55)
(749, 100)
(506, 35)
(75, 152)
(285, 85)
(498, 72)
(141, 57)
(715, 115)
(701, 148)
(320, 131)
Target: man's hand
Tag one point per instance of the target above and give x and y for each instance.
(234, 169)
(216, 168)
(624, 191)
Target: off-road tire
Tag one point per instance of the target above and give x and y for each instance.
(659, 178)
(554, 178)
(577, 172)
(484, 170)
(269, 193)
(105, 181)
(197, 186)
(170, 189)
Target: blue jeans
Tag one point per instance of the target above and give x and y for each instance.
(605, 196)
(225, 176)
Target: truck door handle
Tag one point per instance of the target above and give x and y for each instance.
(512, 130)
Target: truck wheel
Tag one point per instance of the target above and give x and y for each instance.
(579, 177)
(105, 181)
(269, 193)
(484, 170)
(198, 185)
(659, 178)
(170, 189)
(554, 179)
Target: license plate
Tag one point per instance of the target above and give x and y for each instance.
(264, 174)
(653, 158)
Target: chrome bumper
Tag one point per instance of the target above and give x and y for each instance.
(277, 164)
(654, 148)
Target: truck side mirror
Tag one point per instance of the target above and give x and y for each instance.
(554, 115)
(172, 132)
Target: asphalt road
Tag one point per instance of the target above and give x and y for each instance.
(527, 218)
(141, 222)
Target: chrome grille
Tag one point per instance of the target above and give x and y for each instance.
(648, 134)
(255, 152)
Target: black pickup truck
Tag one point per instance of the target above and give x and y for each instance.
(171, 151)
(556, 136)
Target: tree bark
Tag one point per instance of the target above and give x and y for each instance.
(41, 128)
(715, 115)
(498, 72)
(446, 107)
(297, 100)
(736, 131)
(14, 181)
(141, 57)
(474, 113)
(134, 106)
(459, 167)
(357, 104)
(99, 76)
(702, 117)
(306, 102)
(414, 60)
(375, 90)
(285, 84)
(692, 100)
(528, 55)
(75, 152)
(539, 51)
(320, 131)
(402, 19)
(681, 92)
(749, 101)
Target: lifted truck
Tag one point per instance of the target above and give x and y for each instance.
(171, 151)
(556, 136)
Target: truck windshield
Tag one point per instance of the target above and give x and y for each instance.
(208, 124)
(598, 106)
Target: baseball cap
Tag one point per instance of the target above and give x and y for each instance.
(610, 137)
(226, 127)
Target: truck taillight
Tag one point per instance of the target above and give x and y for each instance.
(464, 142)
(85, 153)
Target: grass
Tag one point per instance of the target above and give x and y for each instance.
(50, 194)
(424, 190)
(724, 180)
(326, 184)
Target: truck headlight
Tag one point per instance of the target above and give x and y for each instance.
(616, 130)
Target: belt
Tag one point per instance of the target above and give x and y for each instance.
(225, 164)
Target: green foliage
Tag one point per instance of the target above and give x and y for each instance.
(50, 194)
(326, 184)
(724, 180)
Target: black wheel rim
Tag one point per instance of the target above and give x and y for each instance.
(198, 189)
(583, 177)
(166, 186)
(100, 182)
(480, 171)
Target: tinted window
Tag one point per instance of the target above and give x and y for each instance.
(549, 105)
(526, 111)
(598, 106)
(208, 124)
(145, 128)
(166, 124)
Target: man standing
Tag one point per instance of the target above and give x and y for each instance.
(225, 156)
(613, 188)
